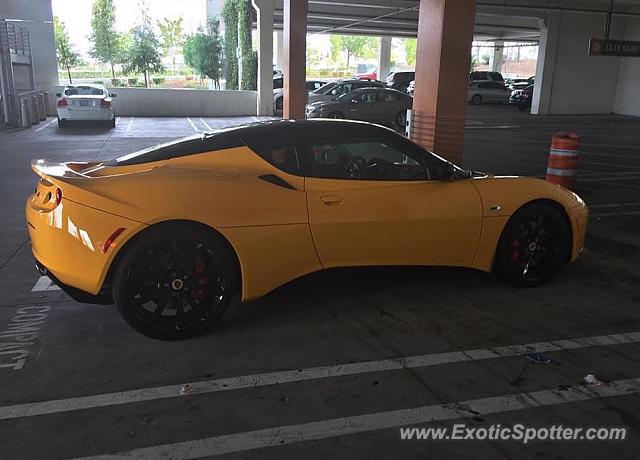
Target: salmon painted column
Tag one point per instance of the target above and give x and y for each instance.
(295, 58)
(445, 34)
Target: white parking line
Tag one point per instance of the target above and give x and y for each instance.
(205, 123)
(195, 128)
(45, 125)
(314, 373)
(44, 284)
(614, 205)
(620, 213)
(324, 429)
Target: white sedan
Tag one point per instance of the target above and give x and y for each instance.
(85, 102)
(485, 91)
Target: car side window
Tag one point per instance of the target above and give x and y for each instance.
(364, 160)
(284, 158)
(388, 96)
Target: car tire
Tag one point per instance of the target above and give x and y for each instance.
(175, 281)
(62, 123)
(476, 99)
(279, 103)
(533, 246)
(336, 115)
(112, 122)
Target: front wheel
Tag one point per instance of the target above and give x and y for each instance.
(174, 282)
(401, 119)
(534, 244)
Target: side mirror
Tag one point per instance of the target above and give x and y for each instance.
(58, 94)
(112, 95)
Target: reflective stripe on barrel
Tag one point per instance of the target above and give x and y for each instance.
(563, 159)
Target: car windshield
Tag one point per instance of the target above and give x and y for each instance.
(83, 91)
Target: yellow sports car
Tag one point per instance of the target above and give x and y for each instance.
(172, 233)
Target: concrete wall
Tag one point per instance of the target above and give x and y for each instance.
(37, 17)
(627, 100)
(153, 102)
(571, 81)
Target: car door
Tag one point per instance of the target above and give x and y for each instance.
(384, 202)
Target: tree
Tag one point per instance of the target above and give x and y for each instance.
(238, 18)
(410, 48)
(352, 45)
(143, 56)
(203, 52)
(66, 56)
(172, 37)
(107, 43)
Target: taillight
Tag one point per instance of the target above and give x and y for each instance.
(58, 196)
(104, 104)
(63, 102)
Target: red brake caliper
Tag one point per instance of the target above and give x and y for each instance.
(515, 252)
(201, 280)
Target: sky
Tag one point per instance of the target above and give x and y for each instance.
(76, 14)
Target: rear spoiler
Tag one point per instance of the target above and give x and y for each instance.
(70, 170)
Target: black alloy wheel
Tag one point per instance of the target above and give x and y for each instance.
(174, 282)
(534, 244)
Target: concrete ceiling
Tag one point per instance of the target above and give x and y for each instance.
(516, 20)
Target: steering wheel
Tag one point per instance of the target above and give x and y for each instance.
(378, 168)
(355, 167)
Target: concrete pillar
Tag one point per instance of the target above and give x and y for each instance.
(279, 50)
(384, 58)
(445, 34)
(547, 50)
(37, 17)
(295, 58)
(495, 60)
(265, 56)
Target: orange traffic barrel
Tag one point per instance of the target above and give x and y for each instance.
(563, 160)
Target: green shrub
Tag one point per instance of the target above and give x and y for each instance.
(158, 80)
(132, 81)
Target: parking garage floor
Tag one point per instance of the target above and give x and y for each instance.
(334, 364)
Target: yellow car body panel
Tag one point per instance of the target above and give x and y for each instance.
(394, 222)
(278, 233)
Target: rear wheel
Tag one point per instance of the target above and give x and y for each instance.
(401, 119)
(112, 122)
(174, 282)
(336, 115)
(476, 99)
(534, 244)
(279, 103)
(62, 123)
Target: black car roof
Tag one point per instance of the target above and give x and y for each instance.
(256, 136)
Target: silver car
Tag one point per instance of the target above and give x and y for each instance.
(482, 92)
(340, 87)
(85, 102)
(278, 94)
(380, 105)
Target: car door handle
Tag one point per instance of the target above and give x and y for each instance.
(332, 200)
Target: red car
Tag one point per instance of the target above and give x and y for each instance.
(370, 75)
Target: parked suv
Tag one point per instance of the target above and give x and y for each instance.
(400, 80)
(479, 75)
